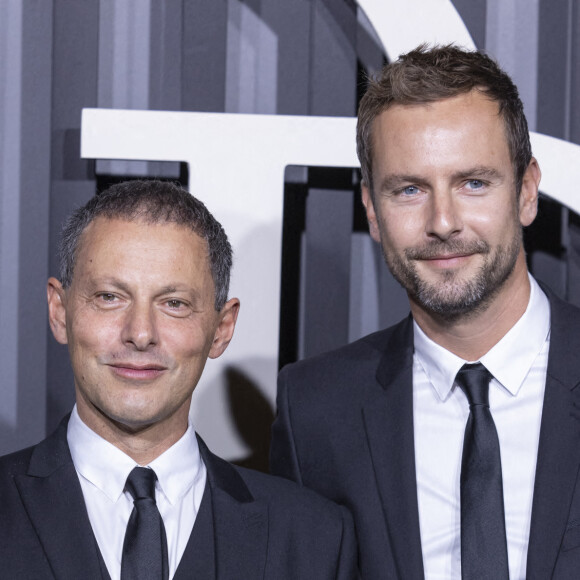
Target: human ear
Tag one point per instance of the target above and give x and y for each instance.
(225, 330)
(528, 201)
(367, 201)
(55, 294)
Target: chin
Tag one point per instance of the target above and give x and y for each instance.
(135, 417)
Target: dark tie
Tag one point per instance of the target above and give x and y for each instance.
(145, 546)
(483, 537)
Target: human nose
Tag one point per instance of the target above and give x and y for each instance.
(140, 328)
(444, 220)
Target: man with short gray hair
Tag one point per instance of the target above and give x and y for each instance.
(124, 489)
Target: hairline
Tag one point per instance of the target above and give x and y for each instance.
(426, 102)
(139, 218)
(150, 210)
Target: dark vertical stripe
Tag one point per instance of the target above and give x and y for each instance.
(473, 13)
(33, 241)
(552, 67)
(74, 86)
(333, 59)
(327, 270)
(204, 34)
(290, 21)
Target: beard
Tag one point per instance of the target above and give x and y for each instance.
(452, 297)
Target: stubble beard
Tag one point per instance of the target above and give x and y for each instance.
(453, 297)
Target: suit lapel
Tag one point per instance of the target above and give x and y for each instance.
(52, 497)
(240, 522)
(198, 560)
(388, 416)
(559, 449)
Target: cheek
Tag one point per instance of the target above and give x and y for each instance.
(189, 361)
(401, 229)
(188, 345)
(495, 222)
(90, 335)
(483, 223)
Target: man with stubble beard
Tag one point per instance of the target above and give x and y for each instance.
(453, 436)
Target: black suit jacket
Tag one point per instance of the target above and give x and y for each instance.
(345, 429)
(264, 527)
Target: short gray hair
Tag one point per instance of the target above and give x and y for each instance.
(154, 202)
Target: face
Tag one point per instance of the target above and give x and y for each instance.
(445, 207)
(140, 323)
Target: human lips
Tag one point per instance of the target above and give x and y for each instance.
(143, 371)
(448, 254)
(448, 260)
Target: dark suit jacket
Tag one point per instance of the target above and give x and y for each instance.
(264, 527)
(345, 429)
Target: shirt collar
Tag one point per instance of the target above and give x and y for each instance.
(107, 467)
(509, 360)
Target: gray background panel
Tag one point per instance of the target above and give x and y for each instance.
(304, 57)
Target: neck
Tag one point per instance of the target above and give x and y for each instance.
(142, 443)
(473, 335)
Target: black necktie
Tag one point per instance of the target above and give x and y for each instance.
(483, 537)
(145, 546)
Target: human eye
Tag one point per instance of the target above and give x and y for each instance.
(106, 300)
(107, 297)
(176, 307)
(409, 190)
(406, 191)
(475, 184)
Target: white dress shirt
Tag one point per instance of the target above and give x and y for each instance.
(103, 469)
(518, 363)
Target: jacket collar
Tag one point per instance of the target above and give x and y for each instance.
(53, 499)
(240, 521)
(558, 451)
(388, 417)
(389, 425)
(52, 496)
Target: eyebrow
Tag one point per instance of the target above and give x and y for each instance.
(169, 289)
(396, 179)
(111, 281)
(193, 293)
(479, 172)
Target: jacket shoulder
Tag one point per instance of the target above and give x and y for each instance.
(309, 536)
(370, 346)
(288, 496)
(15, 463)
(350, 366)
(295, 511)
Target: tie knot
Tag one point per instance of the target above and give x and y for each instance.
(473, 379)
(141, 483)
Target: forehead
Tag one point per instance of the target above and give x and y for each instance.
(123, 247)
(452, 129)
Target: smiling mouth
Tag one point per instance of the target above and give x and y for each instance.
(138, 372)
(447, 252)
(447, 257)
(447, 261)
